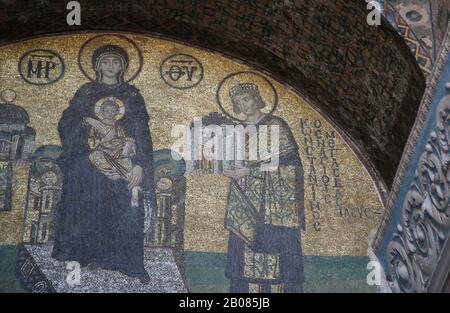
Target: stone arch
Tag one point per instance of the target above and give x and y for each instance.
(369, 88)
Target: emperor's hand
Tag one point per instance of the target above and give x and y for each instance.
(237, 173)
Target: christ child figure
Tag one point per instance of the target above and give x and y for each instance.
(111, 149)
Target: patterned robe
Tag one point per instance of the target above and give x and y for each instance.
(264, 215)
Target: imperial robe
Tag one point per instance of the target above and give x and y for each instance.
(265, 214)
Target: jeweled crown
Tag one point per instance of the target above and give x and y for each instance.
(242, 88)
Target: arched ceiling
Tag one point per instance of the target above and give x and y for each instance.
(363, 78)
(421, 23)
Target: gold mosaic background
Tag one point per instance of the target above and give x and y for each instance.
(206, 196)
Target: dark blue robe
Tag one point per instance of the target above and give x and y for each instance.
(94, 221)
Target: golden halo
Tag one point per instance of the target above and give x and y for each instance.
(266, 89)
(87, 50)
(120, 104)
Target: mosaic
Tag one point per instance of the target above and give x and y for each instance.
(94, 198)
(364, 78)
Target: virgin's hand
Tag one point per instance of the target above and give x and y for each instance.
(136, 177)
(88, 121)
(237, 173)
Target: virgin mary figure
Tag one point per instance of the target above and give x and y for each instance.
(98, 222)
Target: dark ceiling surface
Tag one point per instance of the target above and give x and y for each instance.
(362, 78)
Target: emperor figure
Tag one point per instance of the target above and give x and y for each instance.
(107, 163)
(265, 210)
